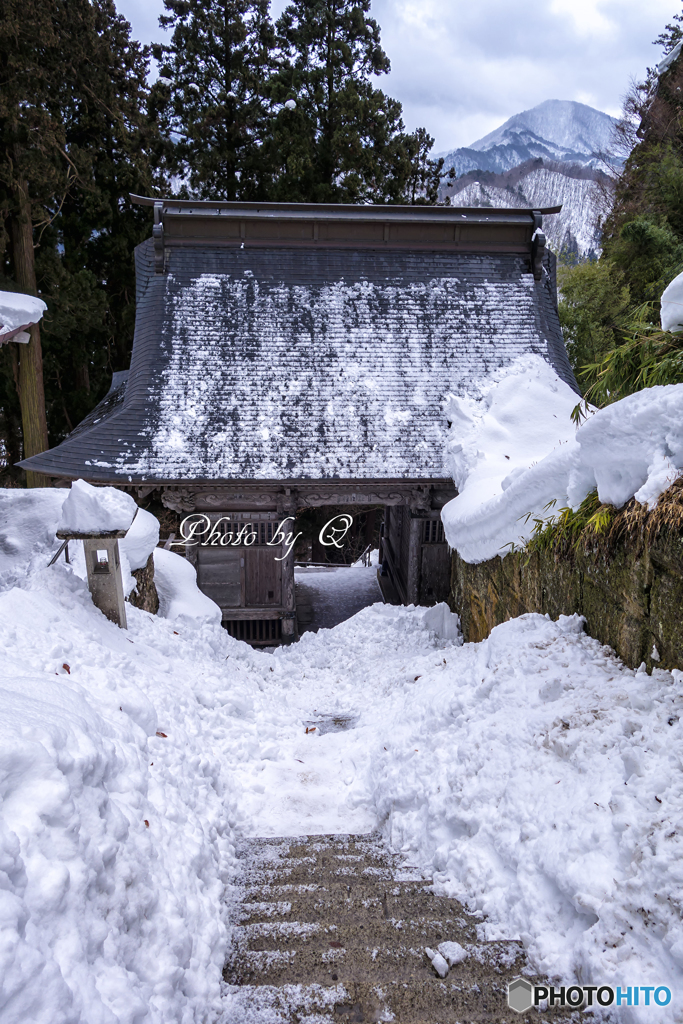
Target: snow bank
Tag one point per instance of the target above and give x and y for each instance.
(516, 449)
(89, 509)
(28, 527)
(633, 448)
(140, 540)
(540, 779)
(440, 620)
(18, 311)
(180, 599)
(533, 773)
(116, 822)
(134, 549)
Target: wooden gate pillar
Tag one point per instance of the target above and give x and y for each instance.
(414, 553)
(289, 624)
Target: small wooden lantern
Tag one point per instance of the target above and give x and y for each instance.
(103, 563)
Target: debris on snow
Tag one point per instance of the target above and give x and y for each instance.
(452, 952)
(438, 962)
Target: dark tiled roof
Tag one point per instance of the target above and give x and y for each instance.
(282, 363)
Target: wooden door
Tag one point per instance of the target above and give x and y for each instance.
(263, 576)
(219, 575)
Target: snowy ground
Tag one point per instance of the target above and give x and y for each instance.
(326, 597)
(535, 775)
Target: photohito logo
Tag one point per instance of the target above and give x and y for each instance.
(522, 995)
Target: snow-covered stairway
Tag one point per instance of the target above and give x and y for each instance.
(331, 929)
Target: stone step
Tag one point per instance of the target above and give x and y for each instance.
(377, 906)
(334, 929)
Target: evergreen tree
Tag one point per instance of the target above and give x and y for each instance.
(210, 98)
(426, 175)
(32, 177)
(292, 115)
(337, 138)
(610, 309)
(88, 273)
(72, 105)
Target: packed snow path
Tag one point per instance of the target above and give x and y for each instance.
(332, 929)
(327, 597)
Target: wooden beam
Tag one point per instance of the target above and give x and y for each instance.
(239, 614)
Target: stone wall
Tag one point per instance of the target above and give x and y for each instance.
(631, 599)
(144, 595)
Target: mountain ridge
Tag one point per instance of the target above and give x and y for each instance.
(561, 122)
(554, 152)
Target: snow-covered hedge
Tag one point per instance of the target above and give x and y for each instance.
(516, 450)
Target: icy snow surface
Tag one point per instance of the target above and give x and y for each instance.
(538, 778)
(89, 509)
(516, 449)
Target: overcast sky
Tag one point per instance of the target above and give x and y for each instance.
(462, 67)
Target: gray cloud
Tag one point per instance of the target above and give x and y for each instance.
(462, 67)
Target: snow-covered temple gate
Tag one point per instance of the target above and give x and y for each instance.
(295, 355)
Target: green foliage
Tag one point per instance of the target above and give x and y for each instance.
(567, 530)
(595, 526)
(593, 298)
(610, 309)
(289, 112)
(211, 99)
(671, 34)
(647, 356)
(73, 124)
(336, 143)
(649, 255)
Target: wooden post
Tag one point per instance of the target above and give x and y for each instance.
(414, 552)
(30, 384)
(288, 598)
(289, 628)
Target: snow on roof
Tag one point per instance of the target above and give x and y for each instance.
(265, 363)
(17, 312)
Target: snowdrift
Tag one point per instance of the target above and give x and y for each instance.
(516, 450)
(535, 775)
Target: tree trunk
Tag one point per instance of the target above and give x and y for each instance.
(30, 385)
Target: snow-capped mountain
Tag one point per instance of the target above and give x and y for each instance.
(554, 153)
(573, 231)
(560, 130)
